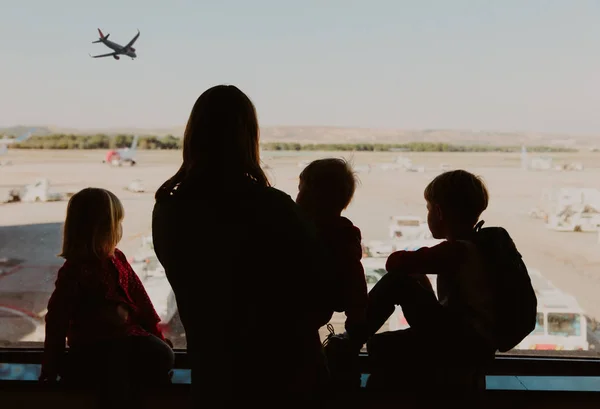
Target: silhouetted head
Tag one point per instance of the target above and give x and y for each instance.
(455, 200)
(92, 227)
(326, 187)
(221, 136)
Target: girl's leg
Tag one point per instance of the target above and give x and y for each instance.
(132, 365)
(151, 360)
(104, 366)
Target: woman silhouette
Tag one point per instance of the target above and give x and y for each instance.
(243, 262)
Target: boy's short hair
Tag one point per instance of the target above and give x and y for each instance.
(461, 195)
(332, 180)
(92, 226)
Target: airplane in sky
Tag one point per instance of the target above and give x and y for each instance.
(118, 49)
(117, 157)
(4, 142)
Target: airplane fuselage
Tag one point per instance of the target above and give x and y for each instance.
(119, 48)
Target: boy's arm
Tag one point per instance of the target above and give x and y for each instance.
(439, 259)
(60, 311)
(354, 283)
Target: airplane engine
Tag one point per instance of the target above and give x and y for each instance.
(116, 57)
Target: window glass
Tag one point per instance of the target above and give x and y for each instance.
(371, 277)
(539, 325)
(403, 91)
(565, 325)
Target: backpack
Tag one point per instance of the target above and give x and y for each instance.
(515, 302)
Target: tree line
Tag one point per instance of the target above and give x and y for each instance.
(100, 141)
(62, 141)
(406, 147)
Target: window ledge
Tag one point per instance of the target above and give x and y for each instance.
(506, 373)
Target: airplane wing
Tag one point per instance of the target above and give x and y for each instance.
(103, 55)
(129, 44)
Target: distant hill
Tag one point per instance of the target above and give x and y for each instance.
(19, 130)
(330, 135)
(49, 130)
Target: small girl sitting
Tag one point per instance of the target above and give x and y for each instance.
(101, 308)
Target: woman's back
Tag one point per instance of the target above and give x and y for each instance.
(246, 268)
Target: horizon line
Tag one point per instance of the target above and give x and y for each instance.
(379, 129)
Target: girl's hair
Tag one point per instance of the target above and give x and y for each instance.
(92, 227)
(222, 134)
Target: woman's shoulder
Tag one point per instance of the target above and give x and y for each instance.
(263, 203)
(278, 196)
(279, 202)
(223, 191)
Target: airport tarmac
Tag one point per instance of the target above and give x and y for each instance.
(30, 233)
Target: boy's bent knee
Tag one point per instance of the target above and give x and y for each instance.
(393, 286)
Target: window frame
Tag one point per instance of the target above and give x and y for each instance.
(504, 364)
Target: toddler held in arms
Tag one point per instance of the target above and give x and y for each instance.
(326, 189)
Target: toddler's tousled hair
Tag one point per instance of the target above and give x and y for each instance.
(332, 180)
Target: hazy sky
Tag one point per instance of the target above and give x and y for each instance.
(481, 64)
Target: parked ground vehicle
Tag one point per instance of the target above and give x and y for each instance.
(561, 322)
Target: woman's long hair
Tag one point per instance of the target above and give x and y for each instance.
(222, 135)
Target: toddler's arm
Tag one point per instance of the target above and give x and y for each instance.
(60, 310)
(354, 286)
(145, 312)
(144, 309)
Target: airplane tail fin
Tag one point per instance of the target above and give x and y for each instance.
(134, 142)
(25, 136)
(102, 37)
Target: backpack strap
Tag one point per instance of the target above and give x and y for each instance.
(478, 226)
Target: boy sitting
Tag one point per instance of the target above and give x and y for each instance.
(459, 327)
